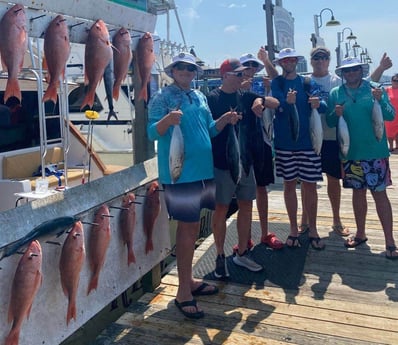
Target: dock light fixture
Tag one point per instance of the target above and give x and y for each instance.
(315, 38)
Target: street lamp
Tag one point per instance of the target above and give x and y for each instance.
(318, 24)
(340, 39)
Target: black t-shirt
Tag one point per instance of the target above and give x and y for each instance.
(220, 103)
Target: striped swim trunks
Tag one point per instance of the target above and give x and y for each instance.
(303, 165)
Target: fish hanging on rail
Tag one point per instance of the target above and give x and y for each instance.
(122, 56)
(13, 46)
(145, 60)
(70, 265)
(127, 224)
(27, 281)
(151, 212)
(56, 53)
(99, 239)
(43, 232)
(97, 55)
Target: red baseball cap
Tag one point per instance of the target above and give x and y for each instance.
(231, 65)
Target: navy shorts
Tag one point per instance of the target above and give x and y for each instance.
(185, 201)
(331, 163)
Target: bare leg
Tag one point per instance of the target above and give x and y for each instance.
(311, 206)
(262, 208)
(290, 196)
(304, 214)
(244, 220)
(384, 211)
(360, 206)
(219, 226)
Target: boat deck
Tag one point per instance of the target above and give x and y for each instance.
(303, 296)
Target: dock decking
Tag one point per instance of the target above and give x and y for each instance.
(345, 296)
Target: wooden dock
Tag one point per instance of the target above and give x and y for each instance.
(344, 296)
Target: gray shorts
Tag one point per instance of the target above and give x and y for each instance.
(226, 188)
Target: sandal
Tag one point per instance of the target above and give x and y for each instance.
(295, 243)
(341, 230)
(353, 242)
(204, 290)
(198, 314)
(303, 228)
(272, 241)
(316, 243)
(390, 250)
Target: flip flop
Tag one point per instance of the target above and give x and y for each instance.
(390, 250)
(295, 242)
(341, 230)
(200, 290)
(353, 242)
(316, 243)
(303, 228)
(196, 315)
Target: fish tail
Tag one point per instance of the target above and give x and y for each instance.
(130, 257)
(115, 94)
(148, 245)
(143, 93)
(50, 94)
(13, 337)
(12, 90)
(93, 284)
(71, 314)
(88, 100)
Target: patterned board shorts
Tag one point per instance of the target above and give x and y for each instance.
(373, 174)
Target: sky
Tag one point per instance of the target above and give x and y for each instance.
(221, 29)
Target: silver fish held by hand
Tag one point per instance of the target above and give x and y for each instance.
(233, 155)
(44, 231)
(316, 131)
(294, 122)
(377, 120)
(268, 123)
(176, 154)
(343, 136)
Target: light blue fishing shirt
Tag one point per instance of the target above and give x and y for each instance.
(358, 105)
(197, 126)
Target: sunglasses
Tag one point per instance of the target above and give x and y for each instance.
(236, 74)
(251, 64)
(352, 69)
(289, 59)
(394, 80)
(322, 57)
(185, 66)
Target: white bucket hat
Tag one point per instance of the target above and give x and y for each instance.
(352, 62)
(251, 58)
(186, 58)
(286, 53)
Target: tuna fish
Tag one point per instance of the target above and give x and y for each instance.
(176, 154)
(121, 58)
(316, 131)
(43, 232)
(97, 55)
(145, 61)
(343, 136)
(26, 283)
(13, 45)
(245, 139)
(233, 154)
(268, 122)
(377, 120)
(151, 212)
(98, 243)
(70, 264)
(56, 52)
(294, 122)
(127, 225)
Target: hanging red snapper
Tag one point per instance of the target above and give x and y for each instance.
(100, 236)
(26, 283)
(145, 61)
(121, 58)
(56, 52)
(13, 45)
(151, 212)
(97, 55)
(127, 224)
(70, 264)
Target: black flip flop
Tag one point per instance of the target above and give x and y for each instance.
(196, 315)
(200, 290)
(356, 241)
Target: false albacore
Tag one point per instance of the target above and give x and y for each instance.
(176, 154)
(233, 154)
(377, 120)
(343, 136)
(316, 131)
(294, 122)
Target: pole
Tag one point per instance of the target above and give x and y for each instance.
(269, 13)
(338, 49)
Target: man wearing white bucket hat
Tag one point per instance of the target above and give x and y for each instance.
(366, 164)
(294, 156)
(179, 106)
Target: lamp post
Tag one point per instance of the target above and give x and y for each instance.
(318, 23)
(340, 39)
(268, 7)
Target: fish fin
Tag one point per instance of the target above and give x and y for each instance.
(12, 90)
(130, 257)
(93, 284)
(148, 246)
(143, 93)
(115, 93)
(13, 337)
(71, 314)
(50, 94)
(88, 100)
